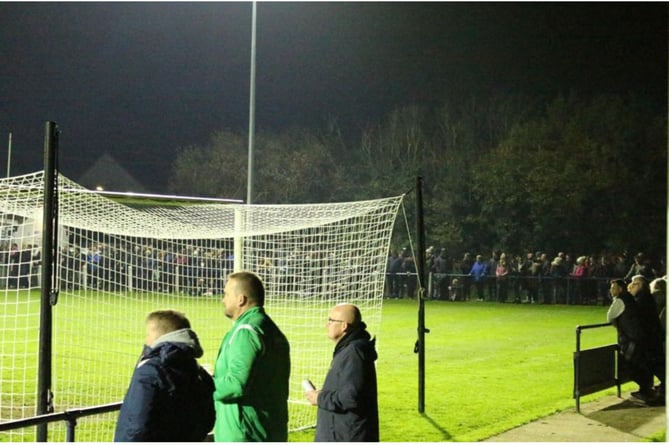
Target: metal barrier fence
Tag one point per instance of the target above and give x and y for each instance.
(69, 417)
(514, 288)
(596, 369)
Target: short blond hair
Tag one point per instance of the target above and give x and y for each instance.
(168, 320)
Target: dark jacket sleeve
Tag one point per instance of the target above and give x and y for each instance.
(135, 422)
(349, 375)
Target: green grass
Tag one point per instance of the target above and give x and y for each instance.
(489, 367)
(659, 437)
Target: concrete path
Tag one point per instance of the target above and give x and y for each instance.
(610, 419)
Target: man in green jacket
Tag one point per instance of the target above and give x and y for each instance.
(252, 368)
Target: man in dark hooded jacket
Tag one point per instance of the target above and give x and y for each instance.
(650, 321)
(170, 398)
(624, 314)
(347, 402)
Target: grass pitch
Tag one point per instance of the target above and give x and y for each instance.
(489, 367)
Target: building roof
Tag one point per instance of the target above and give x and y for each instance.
(108, 174)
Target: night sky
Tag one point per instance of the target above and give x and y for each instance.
(141, 80)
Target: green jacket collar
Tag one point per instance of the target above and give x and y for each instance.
(249, 313)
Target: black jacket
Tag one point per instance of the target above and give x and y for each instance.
(347, 404)
(170, 398)
(650, 321)
(632, 336)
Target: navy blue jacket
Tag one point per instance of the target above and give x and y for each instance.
(170, 398)
(347, 404)
(632, 337)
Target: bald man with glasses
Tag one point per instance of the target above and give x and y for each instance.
(650, 316)
(347, 402)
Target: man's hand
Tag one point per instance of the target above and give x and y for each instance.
(312, 397)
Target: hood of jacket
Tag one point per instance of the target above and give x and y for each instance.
(183, 340)
(362, 339)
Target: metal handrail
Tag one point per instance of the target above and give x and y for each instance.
(69, 416)
(580, 328)
(577, 368)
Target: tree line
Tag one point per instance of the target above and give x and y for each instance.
(500, 172)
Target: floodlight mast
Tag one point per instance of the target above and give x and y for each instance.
(252, 107)
(238, 250)
(9, 154)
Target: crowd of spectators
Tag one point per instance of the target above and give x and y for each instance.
(19, 266)
(535, 277)
(187, 269)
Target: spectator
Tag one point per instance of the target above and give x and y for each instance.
(455, 290)
(478, 273)
(492, 284)
(169, 398)
(558, 273)
(252, 368)
(517, 280)
(465, 268)
(641, 266)
(632, 340)
(25, 261)
(650, 322)
(347, 402)
(411, 277)
(429, 257)
(598, 272)
(577, 275)
(546, 282)
(533, 277)
(14, 265)
(394, 269)
(92, 262)
(568, 262)
(502, 275)
(619, 267)
(441, 267)
(658, 289)
(388, 289)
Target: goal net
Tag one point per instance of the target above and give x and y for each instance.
(119, 262)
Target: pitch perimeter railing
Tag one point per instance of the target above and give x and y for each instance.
(69, 416)
(596, 369)
(514, 288)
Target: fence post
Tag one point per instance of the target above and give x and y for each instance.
(577, 370)
(71, 424)
(48, 292)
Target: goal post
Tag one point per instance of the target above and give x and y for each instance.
(117, 263)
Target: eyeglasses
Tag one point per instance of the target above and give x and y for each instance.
(332, 320)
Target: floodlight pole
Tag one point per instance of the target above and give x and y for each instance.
(252, 107)
(49, 295)
(9, 154)
(420, 271)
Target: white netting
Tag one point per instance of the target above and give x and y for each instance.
(117, 263)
